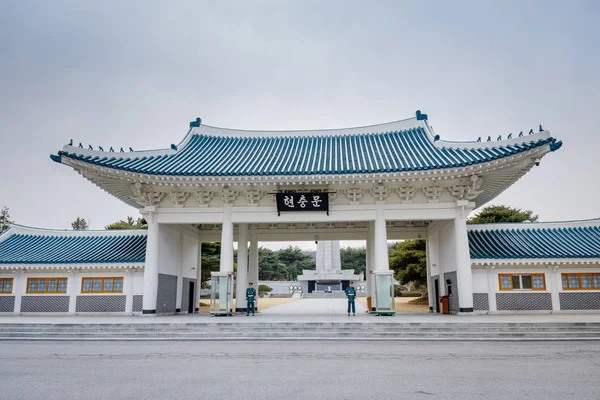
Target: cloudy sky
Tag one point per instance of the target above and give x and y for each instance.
(134, 73)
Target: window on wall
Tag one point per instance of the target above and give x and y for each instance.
(47, 285)
(522, 282)
(581, 281)
(102, 285)
(6, 285)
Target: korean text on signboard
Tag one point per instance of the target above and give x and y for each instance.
(297, 201)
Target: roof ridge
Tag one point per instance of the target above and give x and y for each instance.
(25, 229)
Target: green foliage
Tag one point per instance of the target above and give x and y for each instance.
(211, 253)
(502, 214)
(284, 264)
(130, 223)
(408, 259)
(263, 289)
(353, 258)
(4, 219)
(80, 224)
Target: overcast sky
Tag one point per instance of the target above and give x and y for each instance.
(134, 73)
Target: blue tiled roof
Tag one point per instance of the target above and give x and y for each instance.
(206, 154)
(24, 248)
(557, 242)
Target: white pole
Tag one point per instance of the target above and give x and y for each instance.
(151, 269)
(464, 274)
(242, 268)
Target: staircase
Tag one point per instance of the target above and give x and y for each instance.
(228, 330)
(321, 295)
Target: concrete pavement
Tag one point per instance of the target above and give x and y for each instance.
(300, 370)
(331, 307)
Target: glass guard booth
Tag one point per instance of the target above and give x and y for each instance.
(221, 294)
(384, 293)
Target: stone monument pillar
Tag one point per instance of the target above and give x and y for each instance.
(328, 274)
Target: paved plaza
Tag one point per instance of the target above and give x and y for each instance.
(305, 310)
(300, 370)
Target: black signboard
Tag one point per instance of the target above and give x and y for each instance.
(302, 201)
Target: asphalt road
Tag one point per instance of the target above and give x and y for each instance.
(299, 370)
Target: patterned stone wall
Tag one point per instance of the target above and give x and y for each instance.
(43, 304)
(100, 303)
(7, 303)
(167, 294)
(579, 301)
(480, 302)
(523, 301)
(138, 302)
(453, 305)
(185, 294)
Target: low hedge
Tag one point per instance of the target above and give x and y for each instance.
(262, 289)
(421, 301)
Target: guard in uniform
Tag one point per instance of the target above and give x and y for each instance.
(351, 295)
(250, 296)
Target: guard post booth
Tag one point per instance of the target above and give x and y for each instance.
(384, 293)
(221, 295)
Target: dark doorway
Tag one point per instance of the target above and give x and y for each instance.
(191, 298)
(437, 295)
(311, 286)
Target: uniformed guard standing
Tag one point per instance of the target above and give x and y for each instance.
(250, 296)
(351, 295)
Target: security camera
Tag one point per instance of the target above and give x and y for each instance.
(316, 240)
(537, 162)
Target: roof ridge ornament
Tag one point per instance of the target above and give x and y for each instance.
(421, 116)
(196, 123)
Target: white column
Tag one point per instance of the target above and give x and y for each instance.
(72, 286)
(253, 265)
(430, 288)
(492, 281)
(371, 262)
(242, 268)
(381, 262)
(367, 264)
(151, 269)
(129, 292)
(198, 277)
(19, 289)
(227, 244)
(464, 275)
(553, 284)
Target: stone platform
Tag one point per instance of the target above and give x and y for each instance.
(316, 326)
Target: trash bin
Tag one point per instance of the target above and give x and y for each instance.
(445, 300)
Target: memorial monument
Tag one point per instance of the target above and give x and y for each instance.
(329, 275)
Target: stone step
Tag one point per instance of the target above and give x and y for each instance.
(257, 335)
(319, 295)
(302, 328)
(321, 330)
